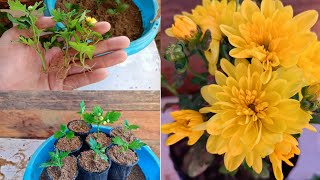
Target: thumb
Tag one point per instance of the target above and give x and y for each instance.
(45, 22)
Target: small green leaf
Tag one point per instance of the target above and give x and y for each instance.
(118, 141)
(112, 117)
(104, 157)
(82, 107)
(97, 111)
(58, 135)
(112, 11)
(63, 127)
(70, 135)
(17, 6)
(122, 7)
(136, 144)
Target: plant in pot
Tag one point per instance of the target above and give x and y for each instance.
(125, 132)
(94, 163)
(60, 166)
(98, 117)
(67, 141)
(80, 127)
(123, 157)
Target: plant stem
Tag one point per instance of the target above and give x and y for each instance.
(196, 74)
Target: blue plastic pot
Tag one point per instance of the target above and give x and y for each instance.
(148, 161)
(149, 10)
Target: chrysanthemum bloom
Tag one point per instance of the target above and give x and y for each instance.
(251, 117)
(270, 34)
(309, 62)
(185, 121)
(90, 20)
(209, 16)
(183, 28)
(283, 152)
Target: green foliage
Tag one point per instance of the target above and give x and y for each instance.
(98, 117)
(63, 131)
(98, 150)
(28, 21)
(129, 127)
(56, 159)
(136, 144)
(120, 7)
(82, 108)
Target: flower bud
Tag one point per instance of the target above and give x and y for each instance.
(174, 52)
(30, 8)
(100, 118)
(104, 123)
(183, 28)
(91, 21)
(311, 97)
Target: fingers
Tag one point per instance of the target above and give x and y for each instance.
(102, 27)
(112, 44)
(105, 61)
(45, 22)
(79, 80)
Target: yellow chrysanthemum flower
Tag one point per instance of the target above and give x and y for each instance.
(185, 121)
(309, 62)
(91, 20)
(283, 152)
(270, 34)
(209, 16)
(183, 28)
(251, 117)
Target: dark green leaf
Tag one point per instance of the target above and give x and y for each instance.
(136, 144)
(70, 135)
(58, 135)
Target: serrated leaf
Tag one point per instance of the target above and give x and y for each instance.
(17, 6)
(118, 141)
(27, 41)
(97, 110)
(58, 135)
(82, 107)
(70, 135)
(88, 118)
(136, 144)
(112, 116)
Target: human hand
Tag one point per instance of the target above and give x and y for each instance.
(20, 65)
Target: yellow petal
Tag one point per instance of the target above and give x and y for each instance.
(233, 162)
(306, 20)
(194, 137)
(174, 139)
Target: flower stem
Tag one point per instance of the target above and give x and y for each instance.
(196, 74)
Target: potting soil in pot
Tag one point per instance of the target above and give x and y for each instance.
(127, 136)
(87, 162)
(136, 174)
(127, 23)
(124, 158)
(64, 144)
(102, 139)
(79, 126)
(68, 171)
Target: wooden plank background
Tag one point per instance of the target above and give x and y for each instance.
(36, 115)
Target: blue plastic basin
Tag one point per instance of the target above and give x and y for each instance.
(149, 10)
(148, 161)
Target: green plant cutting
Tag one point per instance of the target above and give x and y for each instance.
(98, 117)
(63, 131)
(82, 109)
(121, 7)
(77, 33)
(56, 159)
(134, 145)
(28, 21)
(98, 150)
(129, 127)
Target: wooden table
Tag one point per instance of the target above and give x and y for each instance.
(30, 117)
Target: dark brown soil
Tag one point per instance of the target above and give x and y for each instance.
(67, 172)
(79, 126)
(127, 136)
(124, 158)
(64, 144)
(88, 162)
(101, 138)
(127, 23)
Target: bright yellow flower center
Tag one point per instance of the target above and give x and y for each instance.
(91, 20)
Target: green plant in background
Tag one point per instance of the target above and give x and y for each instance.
(63, 131)
(129, 127)
(28, 21)
(98, 117)
(121, 7)
(82, 109)
(134, 145)
(98, 150)
(56, 159)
